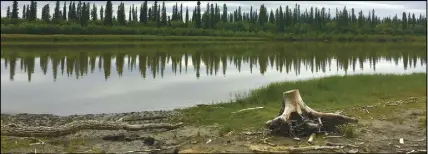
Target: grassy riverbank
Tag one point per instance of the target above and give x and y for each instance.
(61, 38)
(325, 94)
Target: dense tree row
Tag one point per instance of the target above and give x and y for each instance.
(282, 19)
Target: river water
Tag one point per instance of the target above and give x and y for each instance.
(70, 79)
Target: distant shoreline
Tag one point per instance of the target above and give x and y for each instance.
(136, 39)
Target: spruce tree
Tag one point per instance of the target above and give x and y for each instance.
(8, 13)
(144, 13)
(45, 13)
(129, 15)
(33, 10)
(108, 19)
(27, 12)
(78, 11)
(155, 10)
(187, 17)
(198, 15)
(212, 16)
(181, 13)
(15, 12)
(224, 19)
(134, 13)
(164, 17)
(83, 15)
(281, 19)
(404, 21)
(94, 12)
(102, 13)
(56, 15)
(64, 12)
(69, 11)
(24, 12)
(271, 17)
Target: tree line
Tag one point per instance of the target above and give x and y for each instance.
(214, 17)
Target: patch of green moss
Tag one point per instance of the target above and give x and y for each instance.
(348, 130)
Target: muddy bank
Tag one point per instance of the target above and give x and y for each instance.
(379, 129)
(55, 120)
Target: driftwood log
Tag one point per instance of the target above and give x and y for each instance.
(292, 149)
(75, 126)
(296, 119)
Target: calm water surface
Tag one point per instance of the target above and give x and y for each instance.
(67, 80)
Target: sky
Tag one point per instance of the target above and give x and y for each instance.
(382, 8)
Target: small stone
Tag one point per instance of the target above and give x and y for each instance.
(194, 142)
(209, 141)
(401, 141)
(149, 141)
(353, 151)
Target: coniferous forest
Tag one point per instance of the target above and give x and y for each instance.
(210, 20)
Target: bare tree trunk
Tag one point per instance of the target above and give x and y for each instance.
(297, 119)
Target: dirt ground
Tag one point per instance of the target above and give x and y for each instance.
(379, 130)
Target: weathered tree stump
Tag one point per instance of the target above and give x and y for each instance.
(297, 119)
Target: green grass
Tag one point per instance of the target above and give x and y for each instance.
(7, 145)
(348, 130)
(330, 93)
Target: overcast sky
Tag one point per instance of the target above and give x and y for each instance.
(382, 8)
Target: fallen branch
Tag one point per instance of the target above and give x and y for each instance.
(416, 151)
(281, 149)
(247, 109)
(40, 142)
(332, 136)
(340, 144)
(141, 118)
(419, 140)
(75, 126)
(268, 143)
(252, 133)
(365, 109)
(156, 150)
